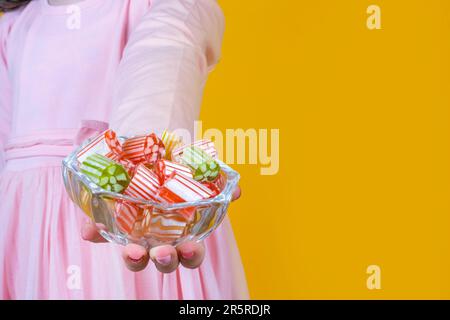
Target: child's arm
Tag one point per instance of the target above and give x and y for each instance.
(165, 65)
(160, 85)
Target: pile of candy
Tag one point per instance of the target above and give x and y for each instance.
(147, 167)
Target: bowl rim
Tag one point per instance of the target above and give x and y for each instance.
(70, 163)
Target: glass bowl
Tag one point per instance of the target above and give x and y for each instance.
(158, 223)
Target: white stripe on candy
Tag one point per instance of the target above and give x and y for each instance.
(144, 184)
(105, 143)
(205, 145)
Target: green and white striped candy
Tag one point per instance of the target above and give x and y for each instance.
(205, 168)
(105, 173)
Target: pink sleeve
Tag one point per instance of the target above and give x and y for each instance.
(5, 86)
(165, 65)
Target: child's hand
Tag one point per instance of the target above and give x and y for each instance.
(166, 258)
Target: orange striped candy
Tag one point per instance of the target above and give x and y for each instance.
(179, 188)
(126, 215)
(144, 184)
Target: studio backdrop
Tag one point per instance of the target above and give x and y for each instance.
(354, 200)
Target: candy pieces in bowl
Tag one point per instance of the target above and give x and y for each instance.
(150, 190)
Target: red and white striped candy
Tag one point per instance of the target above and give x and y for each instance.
(211, 185)
(205, 145)
(127, 164)
(179, 188)
(159, 168)
(143, 148)
(220, 182)
(126, 215)
(217, 185)
(105, 143)
(144, 184)
(165, 168)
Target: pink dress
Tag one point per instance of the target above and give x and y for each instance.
(135, 64)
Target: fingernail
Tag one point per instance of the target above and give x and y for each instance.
(135, 260)
(187, 255)
(164, 260)
(135, 256)
(136, 253)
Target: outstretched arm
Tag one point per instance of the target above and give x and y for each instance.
(165, 64)
(160, 85)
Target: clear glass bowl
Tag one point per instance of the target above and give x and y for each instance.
(158, 223)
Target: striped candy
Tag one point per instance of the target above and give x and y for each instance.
(126, 215)
(221, 181)
(164, 168)
(165, 226)
(170, 140)
(103, 144)
(147, 148)
(105, 173)
(179, 188)
(212, 186)
(159, 168)
(144, 184)
(218, 185)
(205, 168)
(85, 201)
(206, 145)
(127, 164)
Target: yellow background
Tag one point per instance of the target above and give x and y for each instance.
(364, 131)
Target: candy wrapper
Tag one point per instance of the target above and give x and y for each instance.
(106, 173)
(141, 149)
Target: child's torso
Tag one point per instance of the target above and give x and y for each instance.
(62, 63)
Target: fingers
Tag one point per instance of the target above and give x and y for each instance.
(136, 257)
(89, 232)
(165, 258)
(191, 254)
(236, 194)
